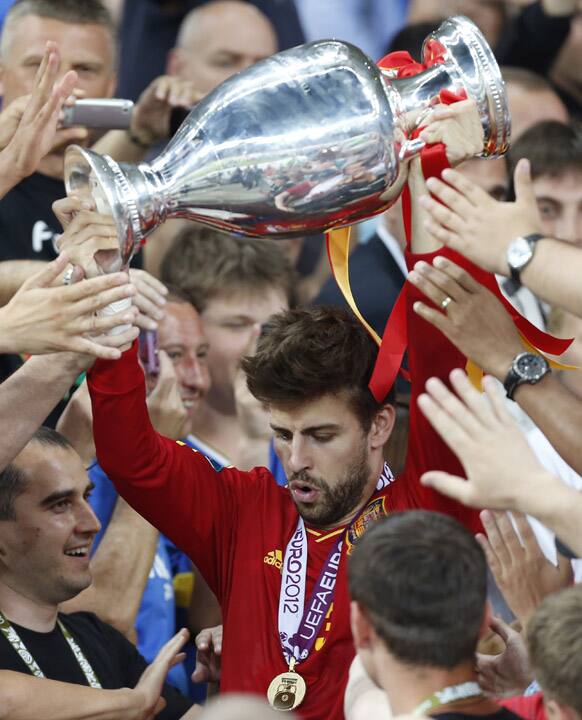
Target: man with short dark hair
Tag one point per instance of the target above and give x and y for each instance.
(418, 583)
(47, 529)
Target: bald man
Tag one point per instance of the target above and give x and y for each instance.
(219, 39)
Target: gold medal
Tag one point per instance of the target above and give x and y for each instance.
(287, 690)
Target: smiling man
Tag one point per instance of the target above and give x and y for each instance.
(47, 530)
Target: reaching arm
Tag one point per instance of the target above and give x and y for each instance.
(510, 478)
(23, 696)
(479, 326)
(173, 487)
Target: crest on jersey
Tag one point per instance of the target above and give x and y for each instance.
(371, 513)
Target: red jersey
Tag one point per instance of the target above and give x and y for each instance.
(530, 707)
(236, 525)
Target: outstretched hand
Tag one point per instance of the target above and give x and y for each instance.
(208, 655)
(28, 133)
(521, 570)
(500, 466)
(467, 219)
(43, 319)
(508, 673)
(150, 685)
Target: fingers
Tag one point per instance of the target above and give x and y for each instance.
(95, 302)
(440, 321)
(497, 401)
(444, 279)
(87, 288)
(475, 404)
(501, 541)
(524, 191)
(149, 286)
(173, 646)
(501, 628)
(458, 409)
(528, 539)
(66, 209)
(458, 192)
(47, 276)
(450, 485)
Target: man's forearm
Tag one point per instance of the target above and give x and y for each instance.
(120, 570)
(554, 274)
(558, 508)
(23, 697)
(13, 273)
(29, 395)
(558, 414)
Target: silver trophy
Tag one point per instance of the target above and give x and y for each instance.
(309, 139)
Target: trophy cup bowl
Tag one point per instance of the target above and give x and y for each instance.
(309, 139)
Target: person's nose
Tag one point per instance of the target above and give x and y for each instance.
(299, 456)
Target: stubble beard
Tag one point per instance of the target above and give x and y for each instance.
(338, 501)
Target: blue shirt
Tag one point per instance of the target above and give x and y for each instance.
(156, 618)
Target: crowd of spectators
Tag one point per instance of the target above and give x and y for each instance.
(201, 495)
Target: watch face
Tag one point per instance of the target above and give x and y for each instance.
(530, 367)
(519, 253)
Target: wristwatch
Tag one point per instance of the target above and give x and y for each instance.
(519, 253)
(525, 368)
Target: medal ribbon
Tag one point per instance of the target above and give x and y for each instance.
(448, 695)
(14, 639)
(299, 627)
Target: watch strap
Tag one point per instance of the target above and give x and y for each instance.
(531, 240)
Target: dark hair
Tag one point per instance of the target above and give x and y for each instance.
(554, 638)
(552, 148)
(422, 580)
(203, 263)
(310, 352)
(176, 295)
(13, 481)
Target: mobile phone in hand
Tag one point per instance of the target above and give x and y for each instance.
(148, 351)
(105, 113)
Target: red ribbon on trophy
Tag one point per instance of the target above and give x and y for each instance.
(395, 337)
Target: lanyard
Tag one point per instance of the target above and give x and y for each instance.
(299, 626)
(448, 695)
(14, 639)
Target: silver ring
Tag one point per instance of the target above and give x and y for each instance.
(68, 276)
(446, 302)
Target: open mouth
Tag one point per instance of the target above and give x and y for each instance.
(78, 552)
(303, 492)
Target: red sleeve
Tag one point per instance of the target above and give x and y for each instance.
(430, 354)
(175, 488)
(530, 707)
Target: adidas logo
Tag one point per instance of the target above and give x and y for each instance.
(274, 557)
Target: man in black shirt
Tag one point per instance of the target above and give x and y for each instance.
(85, 36)
(47, 528)
(418, 582)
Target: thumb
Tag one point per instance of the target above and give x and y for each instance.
(524, 192)
(48, 274)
